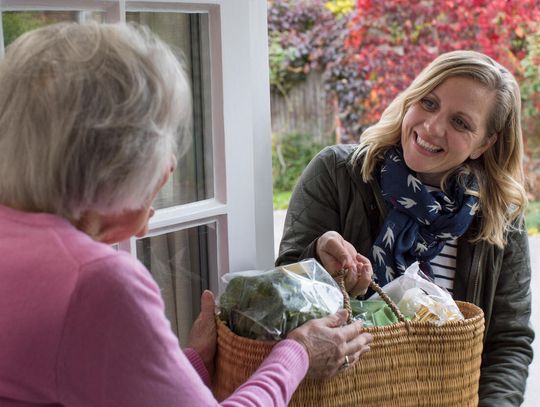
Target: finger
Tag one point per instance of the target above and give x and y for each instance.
(360, 344)
(330, 264)
(351, 278)
(337, 250)
(352, 331)
(207, 302)
(335, 320)
(363, 350)
(360, 287)
(363, 279)
(365, 269)
(365, 338)
(356, 356)
(362, 259)
(357, 282)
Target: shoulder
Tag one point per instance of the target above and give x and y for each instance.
(517, 241)
(118, 277)
(331, 161)
(97, 261)
(114, 293)
(338, 154)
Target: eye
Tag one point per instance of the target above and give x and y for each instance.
(428, 104)
(461, 124)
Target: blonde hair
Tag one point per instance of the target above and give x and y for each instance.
(499, 171)
(89, 116)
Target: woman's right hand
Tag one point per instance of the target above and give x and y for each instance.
(335, 253)
(328, 342)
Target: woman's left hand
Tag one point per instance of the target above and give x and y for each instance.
(358, 277)
(335, 253)
(203, 335)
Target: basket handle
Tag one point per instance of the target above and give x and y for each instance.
(340, 278)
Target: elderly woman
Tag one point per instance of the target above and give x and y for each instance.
(438, 180)
(89, 115)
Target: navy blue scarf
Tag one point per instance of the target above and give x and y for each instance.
(419, 222)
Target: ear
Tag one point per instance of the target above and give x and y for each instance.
(483, 147)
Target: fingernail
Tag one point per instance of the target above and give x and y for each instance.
(343, 313)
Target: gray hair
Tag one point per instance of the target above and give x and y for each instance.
(89, 116)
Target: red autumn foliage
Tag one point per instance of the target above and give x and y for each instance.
(393, 40)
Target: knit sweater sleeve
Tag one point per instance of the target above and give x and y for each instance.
(198, 364)
(117, 349)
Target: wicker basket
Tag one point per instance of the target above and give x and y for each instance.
(410, 364)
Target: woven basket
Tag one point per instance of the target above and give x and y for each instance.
(410, 364)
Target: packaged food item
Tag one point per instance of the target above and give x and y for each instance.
(266, 305)
(419, 298)
(373, 312)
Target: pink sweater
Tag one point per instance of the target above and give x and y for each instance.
(84, 325)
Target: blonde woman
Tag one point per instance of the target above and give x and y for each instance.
(438, 180)
(89, 117)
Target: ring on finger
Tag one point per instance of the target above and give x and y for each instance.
(346, 364)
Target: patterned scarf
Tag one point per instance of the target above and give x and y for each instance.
(419, 222)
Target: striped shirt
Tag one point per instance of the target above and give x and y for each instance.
(444, 264)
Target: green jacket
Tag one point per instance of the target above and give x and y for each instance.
(331, 195)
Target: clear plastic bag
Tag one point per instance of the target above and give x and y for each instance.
(418, 297)
(373, 312)
(266, 305)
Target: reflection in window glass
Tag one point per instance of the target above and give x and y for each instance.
(180, 263)
(16, 23)
(188, 33)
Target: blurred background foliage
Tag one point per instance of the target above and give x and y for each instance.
(289, 158)
(15, 23)
(368, 51)
(364, 53)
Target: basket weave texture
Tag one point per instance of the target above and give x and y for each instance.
(409, 364)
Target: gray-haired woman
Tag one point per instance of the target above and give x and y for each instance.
(89, 116)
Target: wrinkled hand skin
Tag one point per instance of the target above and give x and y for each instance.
(203, 335)
(327, 342)
(336, 253)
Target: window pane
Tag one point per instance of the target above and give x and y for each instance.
(16, 23)
(193, 179)
(180, 263)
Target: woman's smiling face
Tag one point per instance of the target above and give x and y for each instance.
(447, 127)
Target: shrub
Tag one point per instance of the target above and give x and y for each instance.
(290, 155)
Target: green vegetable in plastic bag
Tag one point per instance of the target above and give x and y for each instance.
(268, 305)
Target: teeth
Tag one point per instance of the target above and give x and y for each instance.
(428, 146)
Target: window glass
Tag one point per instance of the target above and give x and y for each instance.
(181, 263)
(188, 34)
(16, 23)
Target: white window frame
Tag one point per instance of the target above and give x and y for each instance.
(241, 131)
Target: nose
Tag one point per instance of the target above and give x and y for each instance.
(435, 125)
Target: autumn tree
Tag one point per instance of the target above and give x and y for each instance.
(391, 41)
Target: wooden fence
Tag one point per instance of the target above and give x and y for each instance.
(307, 109)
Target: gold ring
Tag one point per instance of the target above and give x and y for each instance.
(346, 364)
